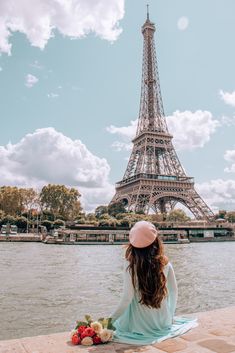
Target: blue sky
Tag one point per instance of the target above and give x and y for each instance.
(70, 87)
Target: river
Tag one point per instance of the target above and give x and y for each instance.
(45, 288)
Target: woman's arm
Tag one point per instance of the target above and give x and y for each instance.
(127, 294)
(172, 289)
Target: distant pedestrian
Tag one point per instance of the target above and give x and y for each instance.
(145, 314)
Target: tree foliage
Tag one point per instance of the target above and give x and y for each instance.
(221, 214)
(60, 201)
(11, 200)
(177, 215)
(230, 216)
(59, 223)
(115, 208)
(21, 222)
(47, 224)
(100, 210)
(8, 220)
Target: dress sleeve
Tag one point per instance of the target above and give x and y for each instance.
(127, 294)
(172, 290)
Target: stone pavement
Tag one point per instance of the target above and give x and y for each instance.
(215, 333)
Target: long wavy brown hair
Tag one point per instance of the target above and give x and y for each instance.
(146, 269)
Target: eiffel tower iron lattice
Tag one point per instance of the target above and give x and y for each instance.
(154, 178)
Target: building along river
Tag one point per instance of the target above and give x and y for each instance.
(44, 289)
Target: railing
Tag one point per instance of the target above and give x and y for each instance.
(155, 177)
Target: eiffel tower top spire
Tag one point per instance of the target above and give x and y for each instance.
(147, 12)
(151, 114)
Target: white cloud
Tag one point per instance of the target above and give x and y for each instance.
(30, 80)
(53, 95)
(1, 68)
(218, 193)
(229, 156)
(228, 120)
(47, 156)
(39, 19)
(121, 146)
(190, 130)
(126, 133)
(183, 23)
(228, 98)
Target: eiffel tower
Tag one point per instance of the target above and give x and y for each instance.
(154, 179)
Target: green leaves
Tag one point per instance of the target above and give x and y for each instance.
(80, 323)
(88, 319)
(61, 201)
(110, 325)
(84, 323)
(105, 322)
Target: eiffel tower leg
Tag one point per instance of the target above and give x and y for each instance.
(197, 206)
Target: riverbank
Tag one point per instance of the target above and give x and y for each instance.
(28, 237)
(215, 333)
(71, 241)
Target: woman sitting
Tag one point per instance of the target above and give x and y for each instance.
(145, 314)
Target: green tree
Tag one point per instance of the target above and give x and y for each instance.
(230, 216)
(30, 198)
(91, 219)
(156, 218)
(130, 218)
(47, 215)
(107, 220)
(221, 214)
(9, 219)
(21, 222)
(2, 215)
(81, 220)
(100, 210)
(61, 201)
(11, 200)
(47, 224)
(177, 215)
(59, 223)
(115, 208)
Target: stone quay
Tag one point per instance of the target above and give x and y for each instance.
(215, 333)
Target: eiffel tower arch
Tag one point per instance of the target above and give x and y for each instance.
(154, 179)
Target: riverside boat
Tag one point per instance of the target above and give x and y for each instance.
(176, 235)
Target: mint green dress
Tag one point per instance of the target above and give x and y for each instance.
(138, 324)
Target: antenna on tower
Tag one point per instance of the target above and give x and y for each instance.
(147, 12)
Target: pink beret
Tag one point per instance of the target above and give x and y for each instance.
(142, 234)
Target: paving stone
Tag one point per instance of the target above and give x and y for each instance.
(193, 337)
(218, 346)
(196, 349)
(13, 346)
(149, 349)
(125, 348)
(138, 349)
(229, 331)
(107, 348)
(50, 344)
(172, 345)
(232, 339)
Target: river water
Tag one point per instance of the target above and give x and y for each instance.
(45, 288)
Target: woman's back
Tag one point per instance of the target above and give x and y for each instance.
(146, 310)
(140, 318)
